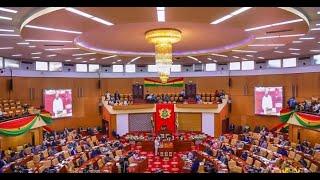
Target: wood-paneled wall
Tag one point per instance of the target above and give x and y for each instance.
(189, 121)
(86, 111)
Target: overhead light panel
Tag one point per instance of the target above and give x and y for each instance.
(275, 24)
(67, 60)
(60, 49)
(306, 38)
(161, 14)
(249, 55)
(6, 18)
(244, 51)
(280, 52)
(6, 48)
(315, 29)
(134, 59)
(236, 57)
(280, 36)
(83, 54)
(16, 55)
(51, 55)
(97, 19)
(45, 40)
(78, 58)
(294, 49)
(36, 53)
(296, 42)
(53, 29)
(32, 46)
(84, 61)
(231, 15)
(260, 57)
(92, 59)
(23, 43)
(35, 57)
(9, 35)
(6, 30)
(8, 10)
(262, 45)
(315, 50)
(295, 53)
(107, 57)
(220, 55)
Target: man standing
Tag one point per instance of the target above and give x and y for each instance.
(156, 145)
(266, 102)
(57, 106)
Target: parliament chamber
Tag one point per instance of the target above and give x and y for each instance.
(178, 90)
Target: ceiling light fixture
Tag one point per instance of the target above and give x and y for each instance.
(249, 55)
(244, 51)
(295, 53)
(6, 30)
(35, 57)
(78, 58)
(280, 36)
(6, 18)
(315, 29)
(306, 38)
(36, 53)
(114, 62)
(45, 40)
(243, 9)
(244, 59)
(6, 48)
(73, 10)
(84, 61)
(315, 50)
(209, 59)
(32, 46)
(23, 43)
(83, 54)
(236, 57)
(9, 35)
(16, 55)
(107, 57)
(161, 14)
(8, 10)
(92, 59)
(53, 29)
(220, 55)
(260, 57)
(280, 52)
(294, 49)
(67, 60)
(60, 49)
(296, 42)
(119, 60)
(134, 59)
(51, 55)
(275, 24)
(261, 45)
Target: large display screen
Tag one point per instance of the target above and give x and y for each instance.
(58, 102)
(268, 100)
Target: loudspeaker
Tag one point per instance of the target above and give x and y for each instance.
(10, 84)
(229, 82)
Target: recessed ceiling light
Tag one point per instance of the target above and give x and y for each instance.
(249, 55)
(235, 57)
(280, 36)
(306, 38)
(119, 60)
(134, 59)
(280, 52)
(35, 57)
(244, 51)
(295, 53)
(67, 60)
(23, 43)
(294, 49)
(83, 54)
(193, 58)
(261, 45)
(114, 62)
(296, 42)
(34, 53)
(231, 15)
(78, 58)
(221, 55)
(244, 59)
(260, 57)
(209, 59)
(84, 61)
(59, 49)
(53, 29)
(9, 35)
(92, 59)
(73, 10)
(275, 24)
(16, 55)
(161, 14)
(315, 29)
(6, 47)
(109, 57)
(51, 55)
(6, 18)
(6, 30)
(215, 61)
(8, 10)
(45, 40)
(315, 50)
(32, 46)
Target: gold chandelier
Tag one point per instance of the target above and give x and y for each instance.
(163, 39)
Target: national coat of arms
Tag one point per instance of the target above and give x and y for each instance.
(165, 113)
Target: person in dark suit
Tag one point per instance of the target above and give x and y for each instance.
(117, 96)
(195, 166)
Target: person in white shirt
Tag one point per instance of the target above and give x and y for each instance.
(266, 102)
(156, 145)
(57, 106)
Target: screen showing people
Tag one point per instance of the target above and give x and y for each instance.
(268, 100)
(58, 102)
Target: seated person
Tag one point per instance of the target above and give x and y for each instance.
(244, 155)
(303, 162)
(195, 165)
(282, 151)
(208, 151)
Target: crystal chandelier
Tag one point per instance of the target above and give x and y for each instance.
(163, 39)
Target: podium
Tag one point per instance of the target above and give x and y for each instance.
(166, 149)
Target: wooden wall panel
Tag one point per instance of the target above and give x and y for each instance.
(190, 121)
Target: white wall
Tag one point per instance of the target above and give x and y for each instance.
(122, 124)
(208, 123)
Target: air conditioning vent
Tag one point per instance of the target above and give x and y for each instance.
(222, 64)
(260, 62)
(304, 58)
(187, 65)
(26, 62)
(141, 65)
(69, 65)
(106, 66)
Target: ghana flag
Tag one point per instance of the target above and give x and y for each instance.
(154, 83)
